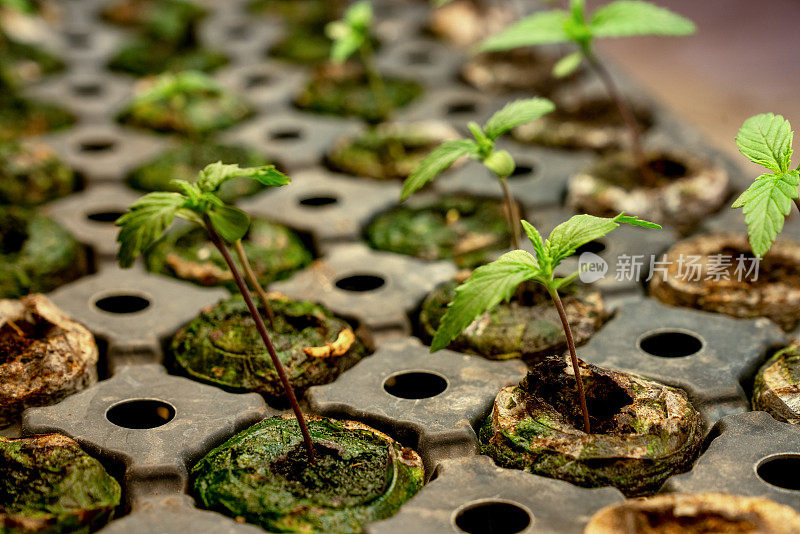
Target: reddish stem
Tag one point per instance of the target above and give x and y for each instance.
(262, 330)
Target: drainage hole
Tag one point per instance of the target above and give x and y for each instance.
(493, 517)
(141, 413)
(288, 133)
(595, 247)
(318, 201)
(87, 89)
(257, 80)
(781, 470)
(415, 385)
(77, 39)
(238, 32)
(360, 282)
(122, 304)
(97, 146)
(418, 57)
(671, 344)
(105, 216)
(461, 107)
(521, 171)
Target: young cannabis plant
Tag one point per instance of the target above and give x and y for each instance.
(497, 281)
(622, 18)
(352, 34)
(766, 139)
(150, 216)
(482, 147)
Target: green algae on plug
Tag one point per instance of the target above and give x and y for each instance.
(344, 90)
(643, 431)
(36, 253)
(777, 385)
(469, 230)
(526, 329)
(32, 174)
(182, 162)
(263, 475)
(221, 346)
(49, 485)
(390, 151)
(186, 252)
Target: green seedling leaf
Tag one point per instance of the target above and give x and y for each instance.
(435, 163)
(567, 65)
(540, 28)
(766, 139)
(215, 174)
(350, 33)
(486, 287)
(625, 18)
(231, 223)
(516, 113)
(147, 219)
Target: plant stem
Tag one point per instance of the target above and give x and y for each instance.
(376, 84)
(562, 314)
(512, 211)
(262, 330)
(797, 203)
(624, 111)
(253, 281)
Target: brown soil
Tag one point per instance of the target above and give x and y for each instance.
(17, 340)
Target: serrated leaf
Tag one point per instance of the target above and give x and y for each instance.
(766, 139)
(625, 18)
(231, 223)
(485, 288)
(581, 229)
(146, 221)
(435, 163)
(540, 28)
(215, 174)
(766, 203)
(515, 113)
(538, 245)
(567, 64)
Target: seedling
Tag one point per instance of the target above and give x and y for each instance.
(623, 18)
(150, 216)
(482, 147)
(352, 34)
(494, 282)
(766, 139)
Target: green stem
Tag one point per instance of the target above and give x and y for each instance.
(375, 80)
(562, 314)
(512, 210)
(262, 330)
(253, 282)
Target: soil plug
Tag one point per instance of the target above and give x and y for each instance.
(150, 216)
(482, 148)
(622, 18)
(497, 281)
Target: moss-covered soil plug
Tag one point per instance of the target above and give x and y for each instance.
(390, 151)
(186, 252)
(36, 253)
(724, 286)
(28, 63)
(44, 356)
(527, 327)
(695, 514)
(777, 385)
(182, 162)
(189, 103)
(221, 346)
(49, 485)
(523, 70)
(302, 44)
(167, 37)
(468, 230)
(643, 431)
(301, 12)
(263, 475)
(592, 123)
(344, 90)
(32, 174)
(21, 117)
(679, 190)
